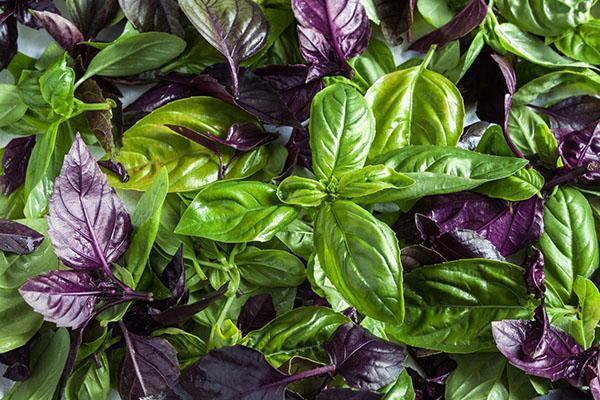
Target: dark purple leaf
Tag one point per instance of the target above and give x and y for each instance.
(245, 137)
(153, 15)
(566, 393)
(88, 224)
(115, 167)
(150, 366)
(23, 8)
(256, 313)
(173, 276)
(534, 273)
(66, 298)
(66, 34)
(8, 39)
(160, 95)
(435, 368)
(348, 394)
(396, 17)
(298, 148)
(582, 149)
(91, 16)
(174, 315)
(330, 33)
(418, 255)
(17, 363)
(292, 84)
(363, 360)
(508, 226)
(306, 297)
(18, 238)
(238, 29)
(99, 121)
(14, 163)
(573, 114)
(472, 135)
(462, 23)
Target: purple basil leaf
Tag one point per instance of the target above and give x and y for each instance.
(330, 33)
(435, 370)
(363, 360)
(173, 276)
(99, 121)
(582, 149)
(18, 238)
(416, 256)
(66, 298)
(298, 148)
(17, 362)
(178, 314)
(8, 39)
(238, 29)
(153, 15)
(292, 84)
(14, 163)
(256, 313)
(160, 95)
(534, 273)
(508, 226)
(23, 8)
(150, 366)
(462, 23)
(245, 137)
(348, 394)
(88, 224)
(92, 16)
(566, 393)
(396, 18)
(66, 34)
(236, 372)
(116, 168)
(573, 114)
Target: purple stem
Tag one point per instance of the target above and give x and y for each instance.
(326, 369)
(570, 176)
(131, 351)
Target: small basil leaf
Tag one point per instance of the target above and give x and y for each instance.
(371, 179)
(14, 163)
(91, 16)
(57, 87)
(12, 106)
(61, 29)
(301, 191)
(270, 268)
(154, 15)
(90, 380)
(589, 307)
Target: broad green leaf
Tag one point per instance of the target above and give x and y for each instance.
(360, 256)
(402, 103)
(582, 43)
(450, 306)
(149, 145)
(135, 54)
(341, 131)
(371, 179)
(189, 347)
(49, 355)
(12, 106)
(556, 86)
(90, 380)
(270, 268)
(15, 332)
(401, 390)
(298, 237)
(569, 244)
(376, 61)
(322, 286)
(236, 212)
(477, 377)
(531, 135)
(57, 86)
(300, 332)
(436, 12)
(589, 307)
(441, 170)
(301, 191)
(520, 386)
(146, 222)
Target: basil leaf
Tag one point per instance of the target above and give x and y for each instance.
(189, 347)
(531, 135)
(449, 306)
(376, 61)
(401, 102)
(12, 106)
(270, 268)
(477, 377)
(589, 307)
(15, 332)
(582, 43)
(301, 191)
(153, 15)
(298, 237)
(569, 244)
(341, 131)
(90, 380)
(371, 179)
(57, 86)
(360, 256)
(236, 212)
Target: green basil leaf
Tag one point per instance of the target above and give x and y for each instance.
(341, 131)
(298, 237)
(441, 170)
(360, 256)
(301, 191)
(135, 54)
(371, 179)
(401, 102)
(556, 86)
(478, 376)
(569, 244)
(589, 307)
(322, 285)
(15, 332)
(531, 135)
(146, 222)
(57, 86)
(270, 268)
(401, 390)
(12, 106)
(299, 332)
(450, 306)
(236, 212)
(437, 13)
(90, 380)
(376, 61)
(189, 347)
(582, 43)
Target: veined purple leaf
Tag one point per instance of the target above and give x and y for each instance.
(363, 360)
(153, 15)
(348, 394)
(88, 224)
(256, 313)
(8, 39)
(160, 95)
(434, 369)
(573, 114)
(22, 11)
(298, 147)
(534, 273)
(99, 121)
(173, 276)
(66, 34)
(238, 29)
(66, 298)
(150, 366)
(18, 238)
(464, 22)
(330, 33)
(14, 163)
(241, 137)
(116, 168)
(92, 16)
(396, 17)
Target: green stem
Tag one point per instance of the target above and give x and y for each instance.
(210, 264)
(428, 57)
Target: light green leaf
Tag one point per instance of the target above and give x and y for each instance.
(402, 389)
(12, 106)
(589, 307)
(90, 380)
(376, 61)
(371, 179)
(582, 43)
(556, 86)
(270, 268)
(477, 377)
(301, 191)
(57, 86)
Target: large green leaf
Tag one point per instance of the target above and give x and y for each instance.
(12, 106)
(589, 307)
(236, 212)
(90, 380)
(441, 170)
(18, 321)
(582, 43)
(450, 306)
(569, 244)
(477, 377)
(300, 332)
(149, 145)
(270, 268)
(341, 131)
(415, 106)
(360, 256)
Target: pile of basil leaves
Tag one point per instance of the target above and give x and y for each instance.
(312, 199)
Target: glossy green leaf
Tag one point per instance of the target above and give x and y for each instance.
(12, 106)
(189, 347)
(582, 43)
(450, 306)
(341, 131)
(90, 380)
(299, 332)
(15, 332)
(436, 12)
(477, 377)
(270, 268)
(57, 86)
(553, 87)
(322, 286)
(236, 212)
(376, 61)
(371, 179)
(569, 244)
(401, 390)
(531, 135)
(402, 103)
(589, 307)
(360, 256)
(298, 237)
(301, 191)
